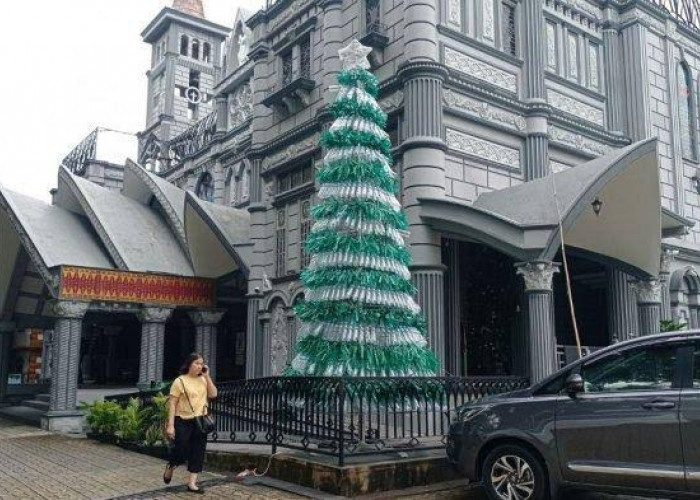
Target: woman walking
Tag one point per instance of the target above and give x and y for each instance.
(189, 395)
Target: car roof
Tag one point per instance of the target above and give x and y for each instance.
(659, 338)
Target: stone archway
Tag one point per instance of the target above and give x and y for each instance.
(684, 292)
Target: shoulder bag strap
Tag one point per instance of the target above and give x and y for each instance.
(186, 395)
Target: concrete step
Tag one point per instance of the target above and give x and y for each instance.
(38, 404)
(24, 414)
(43, 397)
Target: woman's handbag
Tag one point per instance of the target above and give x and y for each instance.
(205, 423)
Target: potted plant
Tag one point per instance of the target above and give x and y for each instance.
(130, 425)
(103, 419)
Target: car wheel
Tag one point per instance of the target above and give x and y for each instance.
(511, 472)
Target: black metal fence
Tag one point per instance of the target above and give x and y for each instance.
(347, 416)
(343, 417)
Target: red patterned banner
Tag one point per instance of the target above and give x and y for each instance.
(78, 283)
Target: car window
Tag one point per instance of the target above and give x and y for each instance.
(696, 367)
(552, 387)
(641, 369)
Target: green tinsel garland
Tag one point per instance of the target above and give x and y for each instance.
(354, 355)
(352, 276)
(366, 244)
(358, 171)
(350, 107)
(360, 77)
(359, 314)
(368, 210)
(347, 138)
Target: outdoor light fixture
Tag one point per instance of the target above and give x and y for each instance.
(597, 205)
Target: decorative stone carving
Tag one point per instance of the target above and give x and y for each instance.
(155, 314)
(289, 12)
(648, 290)
(575, 107)
(481, 70)
(483, 110)
(241, 105)
(577, 141)
(637, 15)
(482, 149)
(392, 102)
(279, 342)
(537, 275)
(291, 151)
(667, 258)
(454, 13)
(206, 317)
(69, 309)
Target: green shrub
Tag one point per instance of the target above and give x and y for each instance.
(668, 325)
(155, 417)
(103, 416)
(130, 426)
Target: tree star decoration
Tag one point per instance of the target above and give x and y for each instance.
(355, 56)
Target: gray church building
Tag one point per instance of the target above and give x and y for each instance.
(520, 128)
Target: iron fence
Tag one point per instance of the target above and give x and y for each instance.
(344, 417)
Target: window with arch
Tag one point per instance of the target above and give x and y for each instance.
(686, 111)
(205, 187)
(195, 49)
(184, 45)
(206, 52)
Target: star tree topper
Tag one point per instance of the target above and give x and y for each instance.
(355, 56)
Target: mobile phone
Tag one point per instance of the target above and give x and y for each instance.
(205, 369)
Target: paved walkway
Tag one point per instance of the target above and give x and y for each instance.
(38, 465)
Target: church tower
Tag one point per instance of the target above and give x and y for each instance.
(185, 65)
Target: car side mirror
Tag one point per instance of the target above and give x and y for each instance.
(573, 384)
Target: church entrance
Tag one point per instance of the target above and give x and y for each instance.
(231, 344)
(489, 313)
(589, 290)
(110, 349)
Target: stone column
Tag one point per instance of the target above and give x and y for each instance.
(542, 348)
(649, 305)
(153, 321)
(7, 330)
(205, 322)
(221, 115)
(424, 176)
(254, 353)
(333, 42)
(420, 30)
(613, 80)
(431, 287)
(637, 117)
(63, 415)
(693, 316)
(667, 256)
(622, 306)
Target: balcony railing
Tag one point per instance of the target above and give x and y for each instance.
(376, 35)
(686, 11)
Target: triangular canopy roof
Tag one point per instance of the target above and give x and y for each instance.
(523, 221)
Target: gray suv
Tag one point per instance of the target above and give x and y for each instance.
(625, 419)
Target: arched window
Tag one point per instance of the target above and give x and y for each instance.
(686, 111)
(184, 45)
(205, 187)
(195, 49)
(206, 52)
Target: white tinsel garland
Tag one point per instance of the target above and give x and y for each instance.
(359, 153)
(358, 95)
(346, 259)
(366, 334)
(358, 191)
(350, 225)
(399, 300)
(359, 124)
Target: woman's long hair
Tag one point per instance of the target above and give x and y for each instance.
(191, 358)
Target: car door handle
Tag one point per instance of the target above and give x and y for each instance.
(658, 405)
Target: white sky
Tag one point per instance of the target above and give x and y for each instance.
(69, 66)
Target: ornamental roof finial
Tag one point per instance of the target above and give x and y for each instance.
(354, 56)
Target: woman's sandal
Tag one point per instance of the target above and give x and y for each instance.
(168, 474)
(199, 491)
